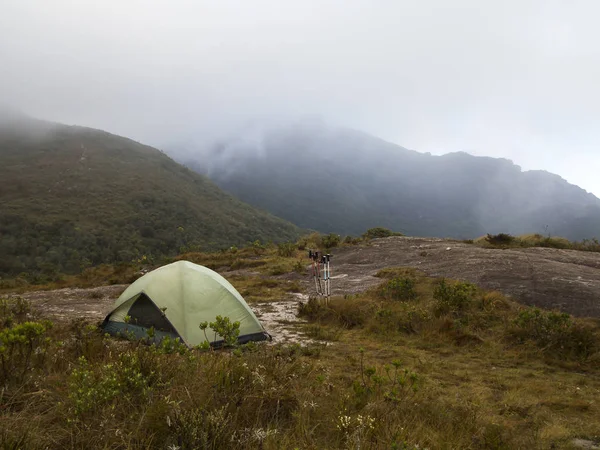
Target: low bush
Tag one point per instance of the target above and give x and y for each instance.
(92, 388)
(12, 310)
(554, 332)
(408, 320)
(351, 240)
(500, 239)
(299, 267)
(312, 240)
(379, 232)
(286, 249)
(330, 240)
(23, 346)
(398, 289)
(224, 332)
(453, 298)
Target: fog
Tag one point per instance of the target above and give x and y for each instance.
(514, 79)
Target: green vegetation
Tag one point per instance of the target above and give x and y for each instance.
(379, 232)
(453, 298)
(458, 310)
(270, 260)
(286, 249)
(513, 375)
(401, 289)
(331, 240)
(504, 240)
(73, 198)
(415, 362)
(222, 328)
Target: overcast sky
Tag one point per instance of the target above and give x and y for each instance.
(517, 79)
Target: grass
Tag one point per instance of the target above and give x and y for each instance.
(502, 375)
(429, 363)
(263, 289)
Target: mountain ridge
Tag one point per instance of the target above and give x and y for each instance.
(366, 181)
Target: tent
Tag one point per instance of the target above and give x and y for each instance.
(175, 299)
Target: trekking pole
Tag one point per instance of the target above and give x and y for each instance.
(318, 261)
(312, 260)
(328, 256)
(316, 271)
(325, 277)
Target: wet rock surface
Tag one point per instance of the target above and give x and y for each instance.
(568, 280)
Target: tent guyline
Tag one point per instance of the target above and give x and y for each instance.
(321, 272)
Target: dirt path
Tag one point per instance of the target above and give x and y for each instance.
(568, 280)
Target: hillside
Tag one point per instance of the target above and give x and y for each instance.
(71, 197)
(344, 181)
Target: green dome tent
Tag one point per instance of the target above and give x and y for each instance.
(175, 299)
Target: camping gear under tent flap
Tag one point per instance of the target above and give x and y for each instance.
(175, 299)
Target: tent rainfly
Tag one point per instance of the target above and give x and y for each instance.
(175, 299)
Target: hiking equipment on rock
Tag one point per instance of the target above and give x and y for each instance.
(319, 260)
(316, 271)
(175, 299)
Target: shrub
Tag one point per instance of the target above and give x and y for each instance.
(299, 267)
(453, 298)
(555, 331)
(379, 232)
(258, 247)
(169, 346)
(91, 388)
(409, 320)
(224, 329)
(22, 346)
(286, 249)
(399, 289)
(543, 326)
(330, 240)
(501, 239)
(392, 382)
(312, 240)
(590, 245)
(351, 240)
(13, 310)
